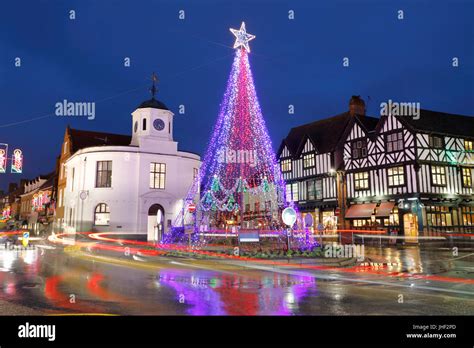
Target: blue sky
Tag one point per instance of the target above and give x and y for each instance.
(297, 62)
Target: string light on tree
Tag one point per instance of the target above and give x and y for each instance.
(239, 174)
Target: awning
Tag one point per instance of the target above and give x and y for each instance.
(360, 211)
(384, 209)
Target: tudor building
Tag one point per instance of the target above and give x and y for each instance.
(394, 172)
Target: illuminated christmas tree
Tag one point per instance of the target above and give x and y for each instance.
(239, 183)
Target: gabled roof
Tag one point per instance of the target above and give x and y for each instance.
(81, 139)
(325, 134)
(441, 122)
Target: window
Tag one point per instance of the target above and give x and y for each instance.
(257, 206)
(359, 148)
(72, 179)
(288, 192)
(65, 147)
(195, 173)
(468, 145)
(292, 192)
(268, 205)
(438, 176)
(102, 215)
(60, 198)
(467, 216)
(308, 160)
(361, 181)
(396, 176)
(466, 177)
(157, 175)
(144, 124)
(286, 165)
(436, 142)
(438, 216)
(310, 192)
(395, 142)
(314, 189)
(104, 174)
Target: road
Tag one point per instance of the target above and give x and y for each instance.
(49, 280)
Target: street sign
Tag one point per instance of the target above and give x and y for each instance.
(288, 216)
(25, 239)
(192, 208)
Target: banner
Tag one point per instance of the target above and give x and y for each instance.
(17, 161)
(3, 157)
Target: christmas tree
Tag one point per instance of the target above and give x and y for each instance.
(239, 182)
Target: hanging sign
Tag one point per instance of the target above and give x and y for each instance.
(17, 161)
(3, 158)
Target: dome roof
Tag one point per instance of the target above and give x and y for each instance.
(153, 103)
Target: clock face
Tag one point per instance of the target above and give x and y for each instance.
(159, 124)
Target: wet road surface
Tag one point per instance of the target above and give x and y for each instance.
(48, 280)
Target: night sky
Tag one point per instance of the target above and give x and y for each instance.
(297, 62)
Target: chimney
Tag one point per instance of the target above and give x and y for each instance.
(13, 186)
(357, 106)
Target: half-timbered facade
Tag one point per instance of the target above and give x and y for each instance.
(411, 176)
(408, 176)
(310, 159)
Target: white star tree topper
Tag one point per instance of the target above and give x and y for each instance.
(241, 37)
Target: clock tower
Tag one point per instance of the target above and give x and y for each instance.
(152, 125)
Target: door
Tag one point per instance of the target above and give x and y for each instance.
(155, 227)
(410, 227)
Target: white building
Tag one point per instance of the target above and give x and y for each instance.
(121, 188)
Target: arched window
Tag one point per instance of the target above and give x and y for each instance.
(102, 215)
(144, 124)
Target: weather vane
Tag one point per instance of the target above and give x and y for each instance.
(154, 78)
(241, 37)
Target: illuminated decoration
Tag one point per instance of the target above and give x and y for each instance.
(6, 213)
(241, 37)
(17, 161)
(239, 175)
(39, 201)
(3, 159)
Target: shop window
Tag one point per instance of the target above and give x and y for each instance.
(438, 216)
(467, 216)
